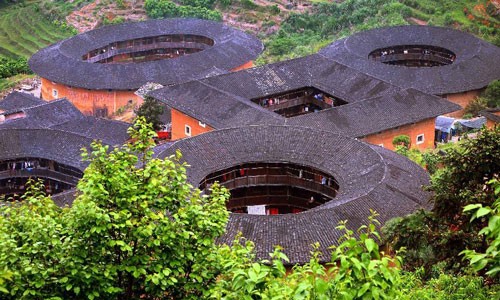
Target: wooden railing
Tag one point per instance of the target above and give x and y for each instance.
(159, 45)
(388, 58)
(286, 180)
(44, 173)
(298, 101)
(271, 200)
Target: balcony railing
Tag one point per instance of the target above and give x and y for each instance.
(271, 200)
(285, 180)
(399, 57)
(304, 100)
(44, 173)
(159, 45)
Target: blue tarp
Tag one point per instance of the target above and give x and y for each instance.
(444, 124)
(475, 123)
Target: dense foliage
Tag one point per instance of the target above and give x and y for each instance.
(136, 230)
(166, 9)
(151, 110)
(490, 259)
(440, 235)
(305, 33)
(358, 270)
(10, 67)
(492, 94)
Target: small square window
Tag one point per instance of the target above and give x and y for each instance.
(187, 130)
(54, 93)
(420, 139)
(202, 124)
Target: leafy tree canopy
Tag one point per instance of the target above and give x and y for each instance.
(151, 110)
(136, 230)
(439, 236)
(167, 9)
(492, 94)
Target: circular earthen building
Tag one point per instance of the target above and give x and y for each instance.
(99, 71)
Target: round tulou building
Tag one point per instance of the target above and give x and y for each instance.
(291, 186)
(436, 60)
(99, 71)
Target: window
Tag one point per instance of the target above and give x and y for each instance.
(54, 93)
(187, 130)
(202, 124)
(420, 139)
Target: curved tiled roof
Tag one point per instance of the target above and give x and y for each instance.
(369, 177)
(61, 115)
(473, 68)
(17, 100)
(372, 104)
(59, 61)
(63, 147)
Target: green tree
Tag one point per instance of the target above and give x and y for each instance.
(464, 180)
(440, 235)
(10, 67)
(167, 9)
(151, 110)
(492, 94)
(401, 140)
(475, 106)
(490, 259)
(358, 270)
(32, 242)
(137, 229)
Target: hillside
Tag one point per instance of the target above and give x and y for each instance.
(288, 28)
(24, 30)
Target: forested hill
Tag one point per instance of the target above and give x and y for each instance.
(289, 28)
(307, 32)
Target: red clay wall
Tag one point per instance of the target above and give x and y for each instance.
(462, 99)
(425, 127)
(490, 124)
(179, 122)
(88, 101)
(247, 65)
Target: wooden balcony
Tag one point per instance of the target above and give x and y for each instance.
(271, 200)
(138, 48)
(399, 58)
(281, 180)
(304, 100)
(42, 173)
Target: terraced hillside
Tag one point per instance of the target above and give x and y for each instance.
(24, 30)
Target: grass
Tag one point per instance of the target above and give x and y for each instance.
(24, 30)
(7, 83)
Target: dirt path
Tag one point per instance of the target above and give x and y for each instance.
(417, 21)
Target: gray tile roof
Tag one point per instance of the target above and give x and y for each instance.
(214, 107)
(373, 105)
(63, 147)
(490, 114)
(369, 177)
(58, 62)
(473, 68)
(377, 114)
(61, 115)
(17, 100)
(109, 131)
